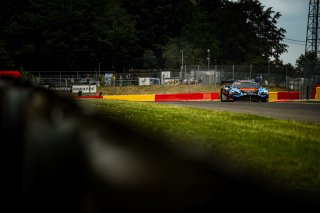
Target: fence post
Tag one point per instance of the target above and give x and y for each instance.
(268, 74)
(232, 72)
(286, 77)
(185, 71)
(212, 80)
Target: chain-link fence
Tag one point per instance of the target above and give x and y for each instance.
(311, 78)
(188, 79)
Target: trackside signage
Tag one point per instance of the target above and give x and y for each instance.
(84, 88)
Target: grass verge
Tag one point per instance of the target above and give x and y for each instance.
(166, 89)
(285, 154)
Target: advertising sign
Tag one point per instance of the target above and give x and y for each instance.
(108, 79)
(165, 75)
(149, 81)
(84, 88)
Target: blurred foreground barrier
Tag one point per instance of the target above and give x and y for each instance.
(60, 156)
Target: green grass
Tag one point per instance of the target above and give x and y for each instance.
(281, 153)
(166, 89)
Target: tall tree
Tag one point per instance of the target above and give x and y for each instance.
(237, 32)
(69, 35)
(158, 21)
(5, 61)
(120, 34)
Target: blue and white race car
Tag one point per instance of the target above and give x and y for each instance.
(244, 90)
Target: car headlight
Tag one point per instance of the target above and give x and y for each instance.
(264, 93)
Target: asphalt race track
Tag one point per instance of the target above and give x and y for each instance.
(309, 112)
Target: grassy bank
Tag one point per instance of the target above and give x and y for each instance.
(165, 89)
(281, 153)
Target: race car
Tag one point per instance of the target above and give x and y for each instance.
(244, 90)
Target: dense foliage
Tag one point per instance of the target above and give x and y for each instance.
(125, 34)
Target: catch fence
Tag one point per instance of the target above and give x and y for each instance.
(187, 80)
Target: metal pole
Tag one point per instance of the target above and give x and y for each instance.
(286, 76)
(181, 69)
(99, 76)
(115, 88)
(268, 74)
(208, 59)
(232, 72)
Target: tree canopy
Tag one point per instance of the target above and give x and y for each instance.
(124, 34)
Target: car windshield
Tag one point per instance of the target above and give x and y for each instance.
(245, 85)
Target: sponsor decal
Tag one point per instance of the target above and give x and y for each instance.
(67, 89)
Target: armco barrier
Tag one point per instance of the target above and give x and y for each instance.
(130, 97)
